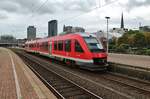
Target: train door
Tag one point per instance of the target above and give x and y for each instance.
(68, 48)
(50, 47)
(79, 52)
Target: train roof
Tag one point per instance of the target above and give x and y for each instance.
(86, 34)
(65, 36)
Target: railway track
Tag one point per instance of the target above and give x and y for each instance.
(106, 85)
(110, 77)
(62, 87)
(140, 88)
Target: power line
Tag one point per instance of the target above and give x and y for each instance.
(71, 18)
(39, 7)
(42, 5)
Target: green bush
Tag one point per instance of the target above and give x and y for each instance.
(122, 48)
(112, 46)
(140, 52)
(125, 46)
(148, 52)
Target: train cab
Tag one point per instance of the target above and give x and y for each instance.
(96, 52)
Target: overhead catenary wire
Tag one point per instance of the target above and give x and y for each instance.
(42, 4)
(74, 17)
(39, 7)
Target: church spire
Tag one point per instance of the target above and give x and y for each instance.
(122, 21)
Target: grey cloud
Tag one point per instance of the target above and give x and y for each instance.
(107, 1)
(57, 6)
(136, 3)
(35, 6)
(23, 6)
(78, 5)
(28, 6)
(2, 16)
(8, 6)
(50, 7)
(132, 3)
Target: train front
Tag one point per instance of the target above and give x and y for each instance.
(97, 52)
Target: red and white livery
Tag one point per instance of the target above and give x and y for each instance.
(82, 49)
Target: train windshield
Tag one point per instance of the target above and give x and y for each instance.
(93, 44)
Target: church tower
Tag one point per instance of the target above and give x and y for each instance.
(122, 21)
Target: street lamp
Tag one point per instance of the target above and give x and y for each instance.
(107, 34)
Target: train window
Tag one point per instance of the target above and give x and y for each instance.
(45, 45)
(40, 46)
(55, 45)
(78, 47)
(60, 45)
(37, 45)
(33, 45)
(30, 45)
(93, 44)
(68, 45)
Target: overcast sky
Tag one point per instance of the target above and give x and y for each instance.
(17, 15)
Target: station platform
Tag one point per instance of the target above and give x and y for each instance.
(129, 59)
(17, 81)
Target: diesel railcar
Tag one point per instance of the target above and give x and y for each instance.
(82, 49)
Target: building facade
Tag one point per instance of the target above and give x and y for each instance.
(52, 28)
(67, 29)
(119, 30)
(78, 29)
(31, 32)
(144, 28)
(71, 29)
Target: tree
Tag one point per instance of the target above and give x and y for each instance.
(122, 40)
(131, 32)
(147, 39)
(113, 41)
(122, 48)
(131, 40)
(139, 40)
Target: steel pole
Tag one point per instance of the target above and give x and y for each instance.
(107, 35)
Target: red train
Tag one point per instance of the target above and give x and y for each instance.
(82, 49)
